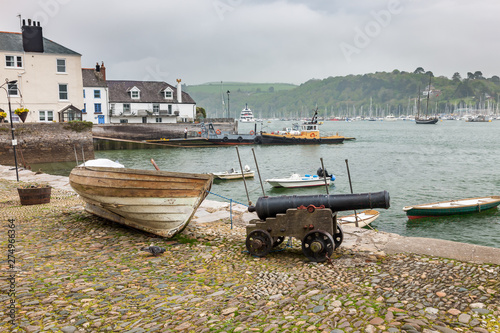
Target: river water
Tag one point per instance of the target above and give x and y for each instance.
(416, 164)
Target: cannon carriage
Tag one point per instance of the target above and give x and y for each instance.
(311, 219)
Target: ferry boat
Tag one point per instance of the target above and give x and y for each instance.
(246, 115)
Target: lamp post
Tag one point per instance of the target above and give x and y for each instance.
(228, 113)
(14, 141)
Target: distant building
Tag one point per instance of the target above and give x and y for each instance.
(149, 102)
(49, 76)
(95, 95)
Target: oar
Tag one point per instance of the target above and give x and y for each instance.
(243, 175)
(154, 164)
(350, 184)
(324, 176)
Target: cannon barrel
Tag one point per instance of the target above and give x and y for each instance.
(270, 206)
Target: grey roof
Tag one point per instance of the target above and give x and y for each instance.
(150, 92)
(91, 78)
(13, 41)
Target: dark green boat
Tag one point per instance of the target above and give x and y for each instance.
(452, 207)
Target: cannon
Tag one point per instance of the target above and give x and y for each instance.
(310, 218)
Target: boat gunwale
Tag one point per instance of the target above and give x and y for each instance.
(495, 198)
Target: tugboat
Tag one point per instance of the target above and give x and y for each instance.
(308, 133)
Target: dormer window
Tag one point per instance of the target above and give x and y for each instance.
(135, 93)
(168, 93)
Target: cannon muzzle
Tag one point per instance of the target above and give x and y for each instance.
(270, 206)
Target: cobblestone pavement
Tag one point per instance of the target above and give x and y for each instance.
(80, 273)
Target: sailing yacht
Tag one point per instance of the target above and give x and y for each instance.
(425, 119)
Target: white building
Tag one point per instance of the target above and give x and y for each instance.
(149, 102)
(95, 95)
(49, 76)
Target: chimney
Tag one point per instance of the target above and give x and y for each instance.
(103, 71)
(179, 91)
(32, 37)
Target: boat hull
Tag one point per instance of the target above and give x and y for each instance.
(452, 207)
(427, 121)
(297, 183)
(229, 176)
(276, 139)
(364, 218)
(158, 202)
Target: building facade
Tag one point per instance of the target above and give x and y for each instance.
(49, 75)
(149, 102)
(95, 95)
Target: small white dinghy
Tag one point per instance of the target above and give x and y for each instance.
(234, 174)
(364, 218)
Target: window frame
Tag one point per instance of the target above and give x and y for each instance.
(63, 92)
(59, 66)
(97, 106)
(10, 88)
(15, 61)
(132, 92)
(97, 93)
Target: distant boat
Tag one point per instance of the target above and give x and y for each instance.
(364, 218)
(158, 202)
(235, 174)
(307, 133)
(478, 119)
(451, 207)
(390, 118)
(425, 119)
(246, 115)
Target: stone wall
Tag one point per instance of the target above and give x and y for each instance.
(139, 132)
(44, 143)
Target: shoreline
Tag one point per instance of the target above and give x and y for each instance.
(77, 273)
(355, 238)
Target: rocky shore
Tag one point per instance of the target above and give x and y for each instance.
(80, 273)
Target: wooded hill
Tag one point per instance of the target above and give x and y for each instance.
(388, 93)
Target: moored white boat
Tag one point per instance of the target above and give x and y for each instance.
(451, 207)
(235, 174)
(364, 218)
(159, 202)
(296, 180)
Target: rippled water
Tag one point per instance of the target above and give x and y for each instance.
(415, 163)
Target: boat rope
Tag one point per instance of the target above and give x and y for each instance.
(229, 199)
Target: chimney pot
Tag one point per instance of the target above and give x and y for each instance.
(24, 21)
(29, 21)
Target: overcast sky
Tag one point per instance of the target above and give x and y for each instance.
(289, 41)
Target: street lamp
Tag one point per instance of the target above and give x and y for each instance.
(14, 141)
(228, 113)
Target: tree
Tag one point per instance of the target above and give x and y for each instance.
(456, 77)
(478, 75)
(495, 79)
(271, 89)
(200, 112)
(419, 70)
(470, 76)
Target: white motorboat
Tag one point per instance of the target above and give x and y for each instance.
(296, 180)
(235, 174)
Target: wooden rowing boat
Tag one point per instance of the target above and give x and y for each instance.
(159, 202)
(451, 207)
(364, 218)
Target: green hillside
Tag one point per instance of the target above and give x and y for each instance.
(396, 92)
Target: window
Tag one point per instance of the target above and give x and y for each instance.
(126, 107)
(170, 109)
(83, 93)
(168, 94)
(158, 120)
(84, 110)
(123, 121)
(134, 94)
(63, 91)
(97, 93)
(97, 108)
(46, 115)
(12, 89)
(13, 61)
(156, 108)
(61, 65)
